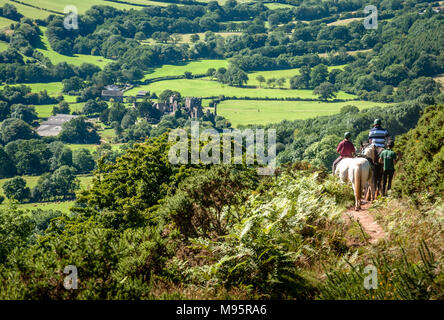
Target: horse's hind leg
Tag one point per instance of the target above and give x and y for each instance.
(357, 200)
(367, 193)
(374, 187)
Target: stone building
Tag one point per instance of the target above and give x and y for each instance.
(53, 126)
(112, 92)
(142, 94)
(193, 106)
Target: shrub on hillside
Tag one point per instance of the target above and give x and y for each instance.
(197, 206)
(124, 191)
(420, 171)
(273, 235)
(16, 189)
(78, 130)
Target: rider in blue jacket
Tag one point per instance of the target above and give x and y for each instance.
(378, 135)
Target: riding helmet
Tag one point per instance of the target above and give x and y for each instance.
(347, 135)
(377, 121)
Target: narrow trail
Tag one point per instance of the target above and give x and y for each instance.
(370, 226)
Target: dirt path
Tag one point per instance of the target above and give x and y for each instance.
(370, 226)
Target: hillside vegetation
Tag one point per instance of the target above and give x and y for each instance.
(220, 232)
(85, 177)
(421, 168)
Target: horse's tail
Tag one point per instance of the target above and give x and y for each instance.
(357, 178)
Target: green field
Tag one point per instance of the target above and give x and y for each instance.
(27, 11)
(196, 67)
(186, 37)
(274, 6)
(222, 2)
(31, 182)
(62, 206)
(243, 112)
(3, 45)
(44, 47)
(53, 88)
(82, 5)
(5, 22)
(45, 110)
(107, 134)
(77, 107)
(90, 147)
(286, 73)
(77, 59)
(208, 88)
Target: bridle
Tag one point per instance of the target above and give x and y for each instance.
(373, 163)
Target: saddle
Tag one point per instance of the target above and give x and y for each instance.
(372, 163)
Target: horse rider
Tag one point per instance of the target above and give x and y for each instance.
(345, 148)
(378, 135)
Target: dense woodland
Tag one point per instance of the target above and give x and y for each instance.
(396, 59)
(148, 229)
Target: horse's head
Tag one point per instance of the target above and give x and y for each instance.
(370, 151)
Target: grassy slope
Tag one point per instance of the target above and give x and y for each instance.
(221, 2)
(208, 88)
(28, 11)
(3, 45)
(53, 88)
(31, 182)
(82, 5)
(5, 22)
(45, 110)
(242, 112)
(196, 67)
(186, 37)
(286, 73)
(76, 59)
(274, 6)
(91, 147)
(343, 22)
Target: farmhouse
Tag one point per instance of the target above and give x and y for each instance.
(142, 94)
(53, 126)
(112, 92)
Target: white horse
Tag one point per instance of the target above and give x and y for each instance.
(359, 172)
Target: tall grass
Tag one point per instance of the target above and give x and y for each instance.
(397, 278)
